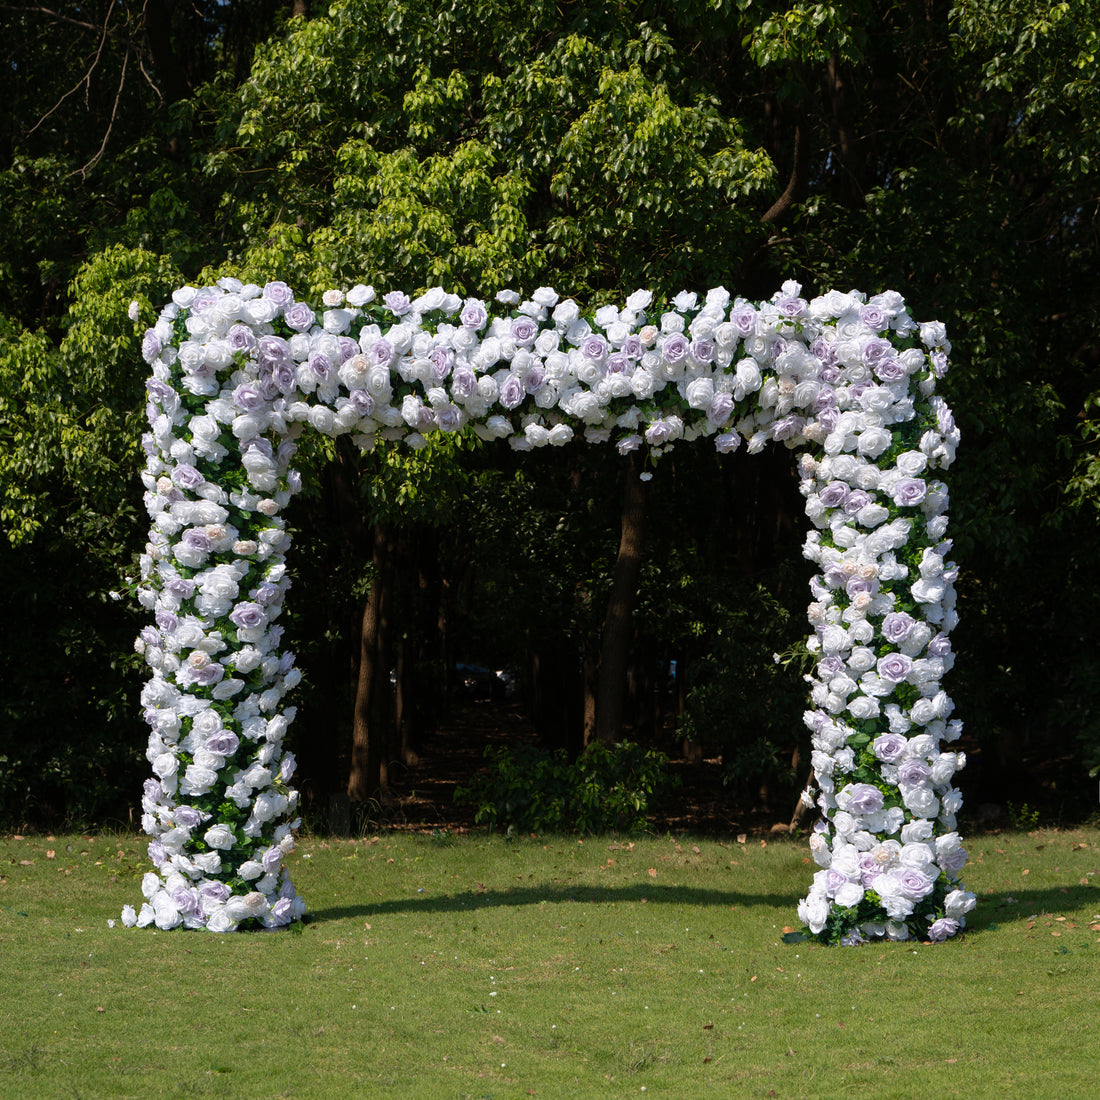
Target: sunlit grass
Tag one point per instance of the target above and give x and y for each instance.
(486, 968)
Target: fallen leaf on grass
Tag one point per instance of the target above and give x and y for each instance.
(26, 863)
(652, 872)
(742, 837)
(1026, 871)
(50, 853)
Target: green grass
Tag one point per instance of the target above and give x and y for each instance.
(479, 967)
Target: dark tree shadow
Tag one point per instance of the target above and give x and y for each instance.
(469, 901)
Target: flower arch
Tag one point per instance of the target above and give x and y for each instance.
(238, 371)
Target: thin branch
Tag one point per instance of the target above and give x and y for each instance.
(111, 122)
(87, 77)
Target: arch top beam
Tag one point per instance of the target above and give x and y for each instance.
(847, 380)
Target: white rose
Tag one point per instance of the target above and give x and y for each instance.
(220, 837)
(813, 911)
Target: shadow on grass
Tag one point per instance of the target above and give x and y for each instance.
(997, 908)
(469, 901)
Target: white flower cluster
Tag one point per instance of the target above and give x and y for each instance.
(238, 371)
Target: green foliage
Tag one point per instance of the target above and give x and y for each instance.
(533, 790)
(948, 152)
(747, 700)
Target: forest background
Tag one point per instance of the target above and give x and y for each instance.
(947, 151)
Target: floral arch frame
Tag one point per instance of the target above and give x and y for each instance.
(238, 371)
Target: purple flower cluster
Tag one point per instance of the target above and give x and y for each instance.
(842, 378)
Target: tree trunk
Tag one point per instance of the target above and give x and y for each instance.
(615, 644)
(372, 710)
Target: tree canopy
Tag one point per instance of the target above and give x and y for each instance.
(945, 151)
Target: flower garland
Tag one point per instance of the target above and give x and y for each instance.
(237, 373)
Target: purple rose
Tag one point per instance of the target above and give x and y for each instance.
(279, 293)
(895, 667)
(187, 477)
(875, 350)
(272, 350)
(203, 302)
(473, 314)
(248, 616)
(272, 858)
(443, 359)
(224, 743)
(241, 338)
(743, 318)
(913, 883)
(856, 585)
(890, 747)
(868, 869)
(702, 351)
(675, 348)
(897, 626)
(834, 494)
(617, 364)
(181, 588)
(828, 417)
(381, 353)
(448, 418)
(298, 316)
(939, 646)
(825, 398)
(910, 491)
(942, 929)
(320, 366)
(214, 891)
(463, 382)
(791, 306)
(857, 499)
(912, 773)
(185, 899)
(874, 317)
(512, 391)
(284, 377)
(863, 799)
(197, 539)
(397, 302)
(720, 409)
(660, 431)
(534, 379)
(830, 667)
(208, 675)
(361, 401)
(524, 330)
(282, 912)
(150, 346)
(890, 369)
(159, 391)
(788, 427)
(594, 347)
(247, 397)
(825, 352)
(187, 816)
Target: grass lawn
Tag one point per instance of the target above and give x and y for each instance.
(481, 967)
